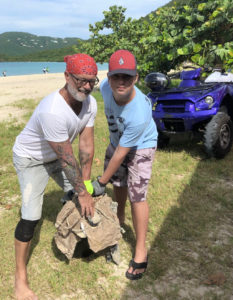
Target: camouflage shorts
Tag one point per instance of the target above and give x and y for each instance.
(134, 172)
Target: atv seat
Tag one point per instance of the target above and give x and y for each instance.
(219, 77)
(190, 78)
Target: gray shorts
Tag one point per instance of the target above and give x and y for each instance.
(134, 172)
(33, 176)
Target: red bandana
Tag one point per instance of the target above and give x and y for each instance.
(80, 64)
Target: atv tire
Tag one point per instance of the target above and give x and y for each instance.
(218, 135)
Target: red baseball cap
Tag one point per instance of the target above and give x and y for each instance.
(80, 63)
(122, 61)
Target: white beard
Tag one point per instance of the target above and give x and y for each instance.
(79, 96)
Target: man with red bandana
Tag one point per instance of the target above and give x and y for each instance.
(44, 149)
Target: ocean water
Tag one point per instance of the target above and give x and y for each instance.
(27, 68)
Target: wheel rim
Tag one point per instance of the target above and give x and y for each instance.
(225, 136)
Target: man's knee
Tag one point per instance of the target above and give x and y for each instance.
(25, 229)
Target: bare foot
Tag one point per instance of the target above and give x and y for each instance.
(22, 291)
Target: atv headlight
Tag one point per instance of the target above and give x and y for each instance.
(209, 100)
(205, 103)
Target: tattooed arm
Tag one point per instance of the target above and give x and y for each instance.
(73, 173)
(86, 151)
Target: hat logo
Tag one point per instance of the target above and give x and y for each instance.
(121, 61)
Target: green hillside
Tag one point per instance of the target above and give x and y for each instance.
(21, 43)
(47, 55)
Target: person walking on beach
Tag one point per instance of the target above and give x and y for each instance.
(130, 154)
(43, 149)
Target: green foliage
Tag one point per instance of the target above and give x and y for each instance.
(199, 31)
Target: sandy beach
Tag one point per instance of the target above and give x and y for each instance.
(35, 87)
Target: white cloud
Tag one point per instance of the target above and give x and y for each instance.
(70, 18)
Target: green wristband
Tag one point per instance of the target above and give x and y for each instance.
(89, 186)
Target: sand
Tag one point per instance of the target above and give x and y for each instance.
(35, 87)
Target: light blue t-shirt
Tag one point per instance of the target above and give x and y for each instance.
(130, 125)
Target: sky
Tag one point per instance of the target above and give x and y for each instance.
(65, 18)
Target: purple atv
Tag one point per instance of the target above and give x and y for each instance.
(203, 107)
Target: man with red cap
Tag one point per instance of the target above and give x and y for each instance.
(130, 154)
(44, 149)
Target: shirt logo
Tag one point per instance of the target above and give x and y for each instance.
(121, 61)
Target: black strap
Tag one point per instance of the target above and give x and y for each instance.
(135, 265)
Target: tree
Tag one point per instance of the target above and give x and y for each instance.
(200, 31)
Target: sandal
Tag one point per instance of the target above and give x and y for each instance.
(136, 266)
